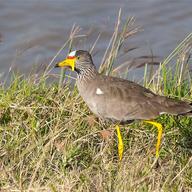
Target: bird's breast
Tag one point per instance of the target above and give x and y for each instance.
(91, 94)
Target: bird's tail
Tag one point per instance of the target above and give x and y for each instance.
(175, 107)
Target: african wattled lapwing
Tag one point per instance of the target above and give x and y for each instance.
(120, 100)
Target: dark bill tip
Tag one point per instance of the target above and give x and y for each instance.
(57, 65)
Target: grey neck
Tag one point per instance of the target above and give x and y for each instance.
(87, 74)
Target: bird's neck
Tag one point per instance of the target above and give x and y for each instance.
(86, 75)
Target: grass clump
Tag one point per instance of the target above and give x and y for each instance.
(50, 142)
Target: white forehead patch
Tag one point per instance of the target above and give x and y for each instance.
(72, 54)
(161, 113)
(99, 91)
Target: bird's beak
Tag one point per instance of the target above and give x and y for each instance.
(68, 62)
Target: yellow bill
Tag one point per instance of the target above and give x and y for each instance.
(69, 62)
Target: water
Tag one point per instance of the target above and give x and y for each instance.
(31, 32)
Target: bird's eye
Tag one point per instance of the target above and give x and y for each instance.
(78, 57)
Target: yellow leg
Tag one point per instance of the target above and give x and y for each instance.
(159, 137)
(120, 142)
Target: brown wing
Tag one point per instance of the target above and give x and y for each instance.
(124, 100)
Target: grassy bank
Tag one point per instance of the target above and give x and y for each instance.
(50, 141)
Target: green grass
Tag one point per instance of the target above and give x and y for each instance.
(49, 142)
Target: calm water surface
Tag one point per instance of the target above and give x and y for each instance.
(31, 32)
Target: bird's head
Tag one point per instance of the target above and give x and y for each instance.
(77, 60)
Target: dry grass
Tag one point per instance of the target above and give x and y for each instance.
(47, 144)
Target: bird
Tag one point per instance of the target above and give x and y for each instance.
(119, 100)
